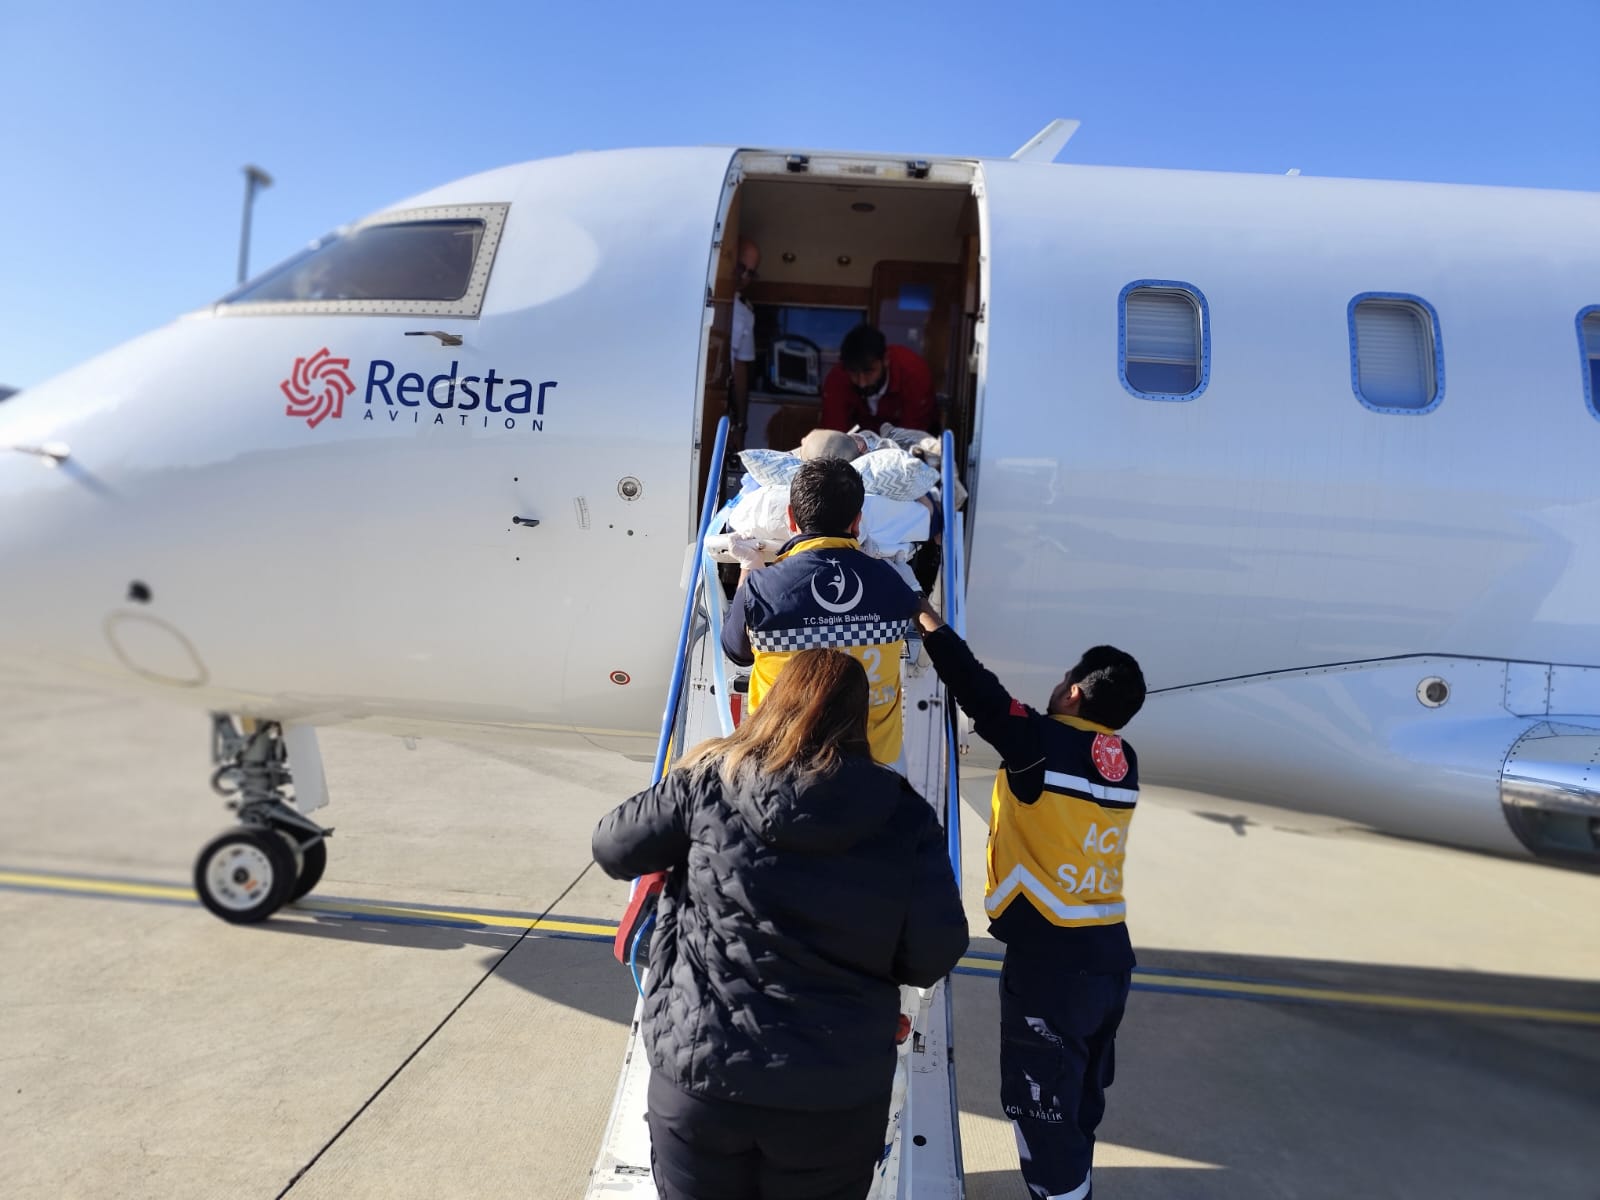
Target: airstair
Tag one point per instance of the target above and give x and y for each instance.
(922, 1145)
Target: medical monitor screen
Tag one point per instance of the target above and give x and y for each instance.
(794, 369)
(823, 327)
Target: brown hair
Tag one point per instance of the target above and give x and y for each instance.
(825, 496)
(814, 715)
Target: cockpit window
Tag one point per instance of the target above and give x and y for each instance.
(426, 261)
(419, 260)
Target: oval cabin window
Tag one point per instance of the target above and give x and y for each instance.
(1396, 364)
(1589, 345)
(1163, 353)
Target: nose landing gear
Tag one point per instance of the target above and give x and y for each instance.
(277, 854)
(244, 875)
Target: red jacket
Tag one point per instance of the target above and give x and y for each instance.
(907, 401)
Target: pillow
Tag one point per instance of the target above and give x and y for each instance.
(894, 474)
(771, 467)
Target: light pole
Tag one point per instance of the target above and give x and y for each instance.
(254, 177)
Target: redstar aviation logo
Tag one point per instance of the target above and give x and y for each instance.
(317, 387)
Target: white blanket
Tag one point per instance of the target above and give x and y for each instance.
(890, 529)
(895, 473)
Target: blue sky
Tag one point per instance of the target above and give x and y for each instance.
(124, 127)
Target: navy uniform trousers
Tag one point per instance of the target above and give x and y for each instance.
(702, 1148)
(1058, 1029)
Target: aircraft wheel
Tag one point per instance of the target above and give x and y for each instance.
(245, 875)
(313, 861)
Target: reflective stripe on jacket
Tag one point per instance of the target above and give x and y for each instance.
(1063, 850)
(824, 592)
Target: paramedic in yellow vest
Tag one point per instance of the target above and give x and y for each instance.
(824, 591)
(1058, 829)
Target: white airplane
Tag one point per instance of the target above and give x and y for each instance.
(1320, 452)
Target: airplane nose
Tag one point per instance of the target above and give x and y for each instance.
(42, 506)
(124, 483)
(76, 523)
(72, 599)
(66, 536)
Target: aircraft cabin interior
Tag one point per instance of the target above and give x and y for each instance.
(843, 243)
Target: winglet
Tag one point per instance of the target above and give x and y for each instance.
(1047, 143)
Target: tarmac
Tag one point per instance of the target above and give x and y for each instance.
(1320, 1011)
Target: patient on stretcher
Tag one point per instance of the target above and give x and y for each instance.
(900, 513)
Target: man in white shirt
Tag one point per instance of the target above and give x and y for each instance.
(742, 345)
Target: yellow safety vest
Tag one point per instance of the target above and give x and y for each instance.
(1064, 852)
(844, 600)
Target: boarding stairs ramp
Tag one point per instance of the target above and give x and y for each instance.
(922, 1146)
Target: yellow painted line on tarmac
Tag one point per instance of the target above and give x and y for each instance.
(96, 887)
(156, 891)
(1147, 980)
(1152, 980)
(1389, 1000)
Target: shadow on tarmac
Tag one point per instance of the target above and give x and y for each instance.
(389, 932)
(577, 972)
(1245, 1100)
(1222, 1097)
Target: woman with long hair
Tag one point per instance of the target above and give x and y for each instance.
(805, 885)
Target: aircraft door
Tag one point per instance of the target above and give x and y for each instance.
(1032, 432)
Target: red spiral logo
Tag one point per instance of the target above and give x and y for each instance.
(317, 387)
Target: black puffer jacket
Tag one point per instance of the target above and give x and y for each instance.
(790, 916)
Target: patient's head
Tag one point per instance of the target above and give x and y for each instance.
(829, 443)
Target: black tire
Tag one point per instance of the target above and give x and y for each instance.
(313, 861)
(245, 875)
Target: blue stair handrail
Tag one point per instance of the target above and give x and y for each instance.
(669, 718)
(628, 951)
(719, 664)
(954, 574)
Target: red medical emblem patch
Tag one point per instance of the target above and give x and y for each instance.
(1109, 759)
